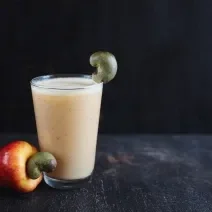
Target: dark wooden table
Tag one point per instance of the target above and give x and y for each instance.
(133, 173)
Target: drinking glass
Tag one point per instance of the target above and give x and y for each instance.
(67, 109)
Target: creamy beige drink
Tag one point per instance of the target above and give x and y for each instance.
(67, 118)
(67, 111)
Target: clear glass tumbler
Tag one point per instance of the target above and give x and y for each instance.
(67, 109)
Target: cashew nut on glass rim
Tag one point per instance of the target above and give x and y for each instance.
(106, 65)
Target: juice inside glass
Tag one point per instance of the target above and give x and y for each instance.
(67, 109)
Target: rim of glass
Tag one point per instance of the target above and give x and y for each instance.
(54, 76)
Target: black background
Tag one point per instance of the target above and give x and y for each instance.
(163, 49)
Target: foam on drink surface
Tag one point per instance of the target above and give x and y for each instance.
(66, 86)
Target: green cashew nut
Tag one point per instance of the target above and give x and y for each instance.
(40, 162)
(106, 65)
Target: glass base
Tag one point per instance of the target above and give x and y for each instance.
(66, 184)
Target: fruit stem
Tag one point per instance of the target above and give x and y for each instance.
(40, 162)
